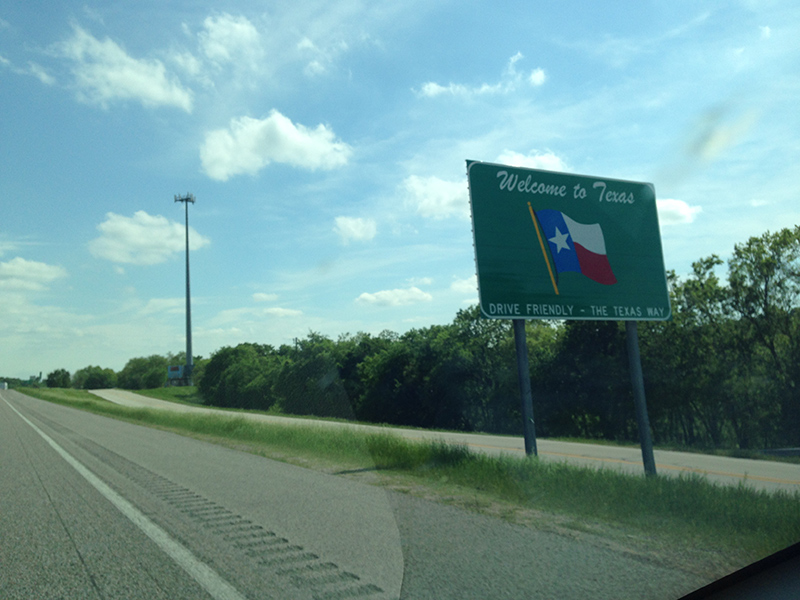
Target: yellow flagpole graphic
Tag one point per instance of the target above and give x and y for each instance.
(544, 251)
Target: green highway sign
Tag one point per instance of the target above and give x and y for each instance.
(554, 245)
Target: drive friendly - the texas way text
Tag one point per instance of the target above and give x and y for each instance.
(565, 311)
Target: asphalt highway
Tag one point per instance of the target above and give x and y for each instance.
(760, 474)
(92, 507)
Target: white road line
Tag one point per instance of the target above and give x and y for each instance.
(215, 585)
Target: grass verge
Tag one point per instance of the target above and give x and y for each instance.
(733, 525)
(190, 395)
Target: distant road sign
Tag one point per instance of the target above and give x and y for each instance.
(554, 245)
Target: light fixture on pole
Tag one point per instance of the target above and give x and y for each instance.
(187, 374)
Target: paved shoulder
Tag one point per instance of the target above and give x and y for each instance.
(263, 528)
(133, 400)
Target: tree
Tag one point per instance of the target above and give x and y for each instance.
(352, 351)
(479, 364)
(727, 364)
(724, 371)
(456, 376)
(143, 373)
(691, 364)
(199, 369)
(241, 377)
(309, 382)
(397, 382)
(707, 350)
(764, 280)
(60, 378)
(588, 384)
(94, 378)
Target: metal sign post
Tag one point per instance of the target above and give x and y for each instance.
(528, 428)
(554, 245)
(637, 381)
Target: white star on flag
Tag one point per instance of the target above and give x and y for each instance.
(560, 240)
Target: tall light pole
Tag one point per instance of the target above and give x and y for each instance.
(187, 374)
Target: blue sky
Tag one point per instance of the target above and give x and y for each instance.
(325, 143)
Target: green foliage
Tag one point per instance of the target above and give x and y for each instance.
(309, 381)
(398, 384)
(241, 377)
(94, 378)
(13, 382)
(587, 383)
(140, 373)
(199, 370)
(60, 378)
(457, 376)
(143, 373)
(764, 288)
(724, 372)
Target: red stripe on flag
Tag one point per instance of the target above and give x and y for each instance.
(595, 266)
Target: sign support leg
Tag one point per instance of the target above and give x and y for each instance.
(637, 380)
(523, 373)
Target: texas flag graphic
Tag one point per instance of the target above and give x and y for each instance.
(576, 247)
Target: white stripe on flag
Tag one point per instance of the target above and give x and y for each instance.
(588, 236)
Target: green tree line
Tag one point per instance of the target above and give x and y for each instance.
(138, 374)
(723, 372)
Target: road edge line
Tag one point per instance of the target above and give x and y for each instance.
(204, 575)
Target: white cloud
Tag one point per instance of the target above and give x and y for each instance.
(249, 145)
(536, 160)
(397, 297)
(21, 274)
(282, 312)
(33, 68)
(104, 72)
(432, 89)
(188, 62)
(320, 58)
(314, 67)
(509, 82)
(675, 212)
(355, 229)
(164, 305)
(244, 318)
(436, 198)
(262, 297)
(306, 44)
(537, 77)
(420, 281)
(42, 75)
(142, 239)
(466, 286)
(7, 247)
(766, 32)
(229, 39)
